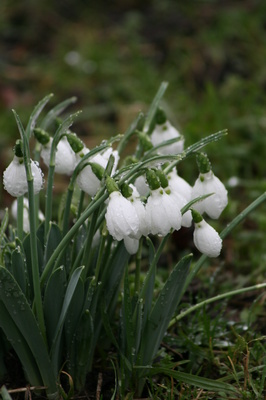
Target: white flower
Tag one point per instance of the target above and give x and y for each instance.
(182, 191)
(132, 245)
(65, 157)
(15, 179)
(165, 132)
(26, 220)
(163, 214)
(213, 205)
(206, 239)
(140, 210)
(87, 180)
(141, 185)
(121, 217)
(176, 183)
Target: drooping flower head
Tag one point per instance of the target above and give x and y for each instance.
(65, 157)
(206, 238)
(208, 183)
(89, 178)
(14, 177)
(121, 217)
(164, 131)
(163, 214)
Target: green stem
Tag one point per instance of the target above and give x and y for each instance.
(223, 234)
(49, 200)
(153, 266)
(87, 249)
(213, 299)
(137, 270)
(20, 212)
(99, 258)
(71, 233)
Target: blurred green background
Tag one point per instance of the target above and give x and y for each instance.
(113, 57)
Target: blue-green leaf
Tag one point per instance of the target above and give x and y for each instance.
(163, 310)
(53, 301)
(20, 325)
(55, 111)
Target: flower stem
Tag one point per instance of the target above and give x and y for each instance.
(137, 271)
(20, 211)
(215, 298)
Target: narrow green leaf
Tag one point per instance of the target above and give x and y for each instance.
(53, 301)
(74, 312)
(20, 346)
(55, 111)
(23, 318)
(83, 339)
(127, 324)
(163, 310)
(154, 106)
(35, 114)
(18, 268)
(58, 332)
(194, 380)
(4, 393)
(53, 239)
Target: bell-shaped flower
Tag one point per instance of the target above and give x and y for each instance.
(164, 132)
(15, 179)
(87, 180)
(121, 217)
(140, 209)
(65, 157)
(177, 183)
(141, 185)
(213, 205)
(132, 245)
(206, 238)
(163, 214)
(26, 219)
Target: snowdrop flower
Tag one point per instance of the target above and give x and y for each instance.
(131, 245)
(132, 194)
(176, 183)
(121, 217)
(181, 190)
(26, 219)
(208, 183)
(205, 237)
(87, 180)
(15, 179)
(163, 214)
(164, 131)
(142, 186)
(65, 158)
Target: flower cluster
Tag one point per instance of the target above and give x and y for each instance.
(152, 202)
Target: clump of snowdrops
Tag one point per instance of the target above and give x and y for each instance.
(64, 276)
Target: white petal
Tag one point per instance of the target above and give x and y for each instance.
(207, 240)
(121, 217)
(132, 245)
(65, 158)
(15, 180)
(165, 132)
(214, 204)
